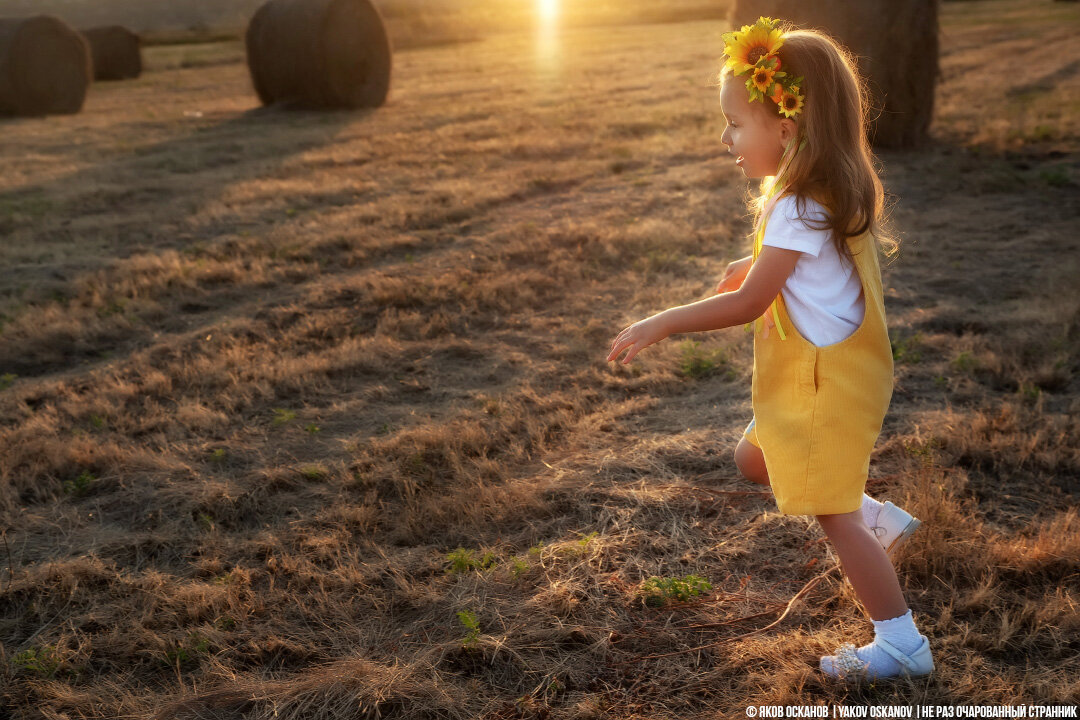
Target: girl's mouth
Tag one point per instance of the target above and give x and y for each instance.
(739, 160)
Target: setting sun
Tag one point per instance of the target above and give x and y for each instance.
(547, 36)
(548, 9)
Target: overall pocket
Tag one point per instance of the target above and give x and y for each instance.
(808, 368)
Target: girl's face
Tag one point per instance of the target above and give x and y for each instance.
(756, 139)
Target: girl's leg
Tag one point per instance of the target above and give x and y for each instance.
(865, 563)
(864, 559)
(872, 575)
(751, 463)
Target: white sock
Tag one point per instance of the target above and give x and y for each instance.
(900, 632)
(870, 510)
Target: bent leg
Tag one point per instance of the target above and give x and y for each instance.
(751, 462)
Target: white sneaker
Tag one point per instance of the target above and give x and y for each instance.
(893, 527)
(846, 664)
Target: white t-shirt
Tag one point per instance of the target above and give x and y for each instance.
(823, 294)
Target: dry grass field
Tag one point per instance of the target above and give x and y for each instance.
(306, 415)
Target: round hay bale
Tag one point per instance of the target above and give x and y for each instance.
(319, 53)
(44, 66)
(896, 44)
(116, 52)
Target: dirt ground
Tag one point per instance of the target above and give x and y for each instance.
(306, 415)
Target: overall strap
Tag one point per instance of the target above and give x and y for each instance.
(773, 192)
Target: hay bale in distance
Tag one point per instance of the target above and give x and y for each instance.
(319, 53)
(896, 44)
(44, 66)
(116, 52)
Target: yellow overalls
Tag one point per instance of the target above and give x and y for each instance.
(818, 410)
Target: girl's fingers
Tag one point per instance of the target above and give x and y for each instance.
(626, 339)
(619, 348)
(621, 337)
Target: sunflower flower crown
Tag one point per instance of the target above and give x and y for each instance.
(752, 51)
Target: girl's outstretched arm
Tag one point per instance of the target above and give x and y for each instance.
(761, 286)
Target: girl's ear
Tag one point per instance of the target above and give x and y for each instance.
(788, 129)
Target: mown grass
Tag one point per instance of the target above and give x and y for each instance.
(306, 415)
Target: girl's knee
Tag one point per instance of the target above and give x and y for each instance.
(751, 462)
(840, 520)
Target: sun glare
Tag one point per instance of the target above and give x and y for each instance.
(548, 9)
(547, 37)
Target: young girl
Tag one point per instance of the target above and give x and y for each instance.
(823, 366)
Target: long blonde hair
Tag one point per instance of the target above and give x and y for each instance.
(836, 166)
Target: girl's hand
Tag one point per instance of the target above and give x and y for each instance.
(768, 318)
(734, 275)
(640, 335)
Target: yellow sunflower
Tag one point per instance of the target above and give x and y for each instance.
(745, 47)
(791, 102)
(762, 78)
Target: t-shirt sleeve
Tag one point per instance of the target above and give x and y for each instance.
(786, 229)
